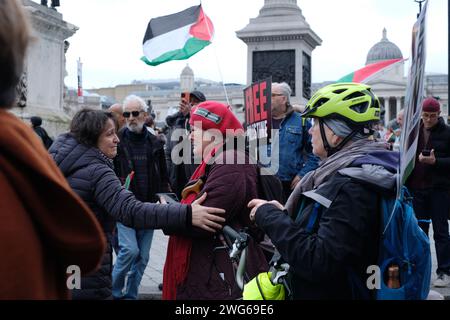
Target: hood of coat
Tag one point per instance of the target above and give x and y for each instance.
(70, 155)
(378, 169)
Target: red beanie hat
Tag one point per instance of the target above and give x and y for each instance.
(215, 115)
(431, 105)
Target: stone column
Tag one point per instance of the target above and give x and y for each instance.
(387, 110)
(399, 104)
(45, 67)
(280, 43)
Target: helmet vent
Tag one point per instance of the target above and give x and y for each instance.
(375, 104)
(360, 107)
(320, 102)
(354, 95)
(338, 91)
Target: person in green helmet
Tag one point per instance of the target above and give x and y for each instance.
(328, 232)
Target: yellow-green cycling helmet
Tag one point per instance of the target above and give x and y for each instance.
(354, 103)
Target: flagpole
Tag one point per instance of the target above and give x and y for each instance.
(221, 76)
(218, 64)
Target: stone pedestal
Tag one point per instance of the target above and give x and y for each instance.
(45, 68)
(280, 43)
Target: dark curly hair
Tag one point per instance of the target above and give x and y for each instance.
(87, 125)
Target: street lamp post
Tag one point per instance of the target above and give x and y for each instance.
(420, 6)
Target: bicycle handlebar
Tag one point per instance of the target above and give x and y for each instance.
(241, 269)
(232, 234)
(237, 241)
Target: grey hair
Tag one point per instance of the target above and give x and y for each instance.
(285, 90)
(133, 97)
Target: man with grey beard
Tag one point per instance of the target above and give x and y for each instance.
(142, 153)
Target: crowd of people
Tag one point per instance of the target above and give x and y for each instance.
(97, 189)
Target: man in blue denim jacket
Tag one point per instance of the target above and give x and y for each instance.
(295, 157)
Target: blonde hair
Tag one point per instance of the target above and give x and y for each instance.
(14, 38)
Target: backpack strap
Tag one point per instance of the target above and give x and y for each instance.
(300, 210)
(386, 217)
(314, 217)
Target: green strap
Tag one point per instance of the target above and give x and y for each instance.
(303, 121)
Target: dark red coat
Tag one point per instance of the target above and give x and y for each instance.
(230, 187)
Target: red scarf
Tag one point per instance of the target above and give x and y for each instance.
(176, 266)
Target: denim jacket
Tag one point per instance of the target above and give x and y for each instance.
(295, 155)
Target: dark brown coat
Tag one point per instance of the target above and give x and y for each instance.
(45, 227)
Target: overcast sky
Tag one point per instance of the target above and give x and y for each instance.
(109, 39)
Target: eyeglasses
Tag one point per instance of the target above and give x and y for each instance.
(135, 114)
(277, 94)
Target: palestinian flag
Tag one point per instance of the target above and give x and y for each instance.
(177, 36)
(128, 180)
(366, 73)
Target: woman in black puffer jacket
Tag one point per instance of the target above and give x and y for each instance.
(85, 156)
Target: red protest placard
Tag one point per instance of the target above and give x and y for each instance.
(258, 102)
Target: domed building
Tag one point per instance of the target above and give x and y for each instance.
(383, 50)
(388, 84)
(187, 79)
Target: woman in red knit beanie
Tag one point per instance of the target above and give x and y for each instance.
(196, 265)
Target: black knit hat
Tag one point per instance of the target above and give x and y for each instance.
(36, 121)
(198, 95)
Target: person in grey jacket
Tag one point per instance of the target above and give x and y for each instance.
(85, 155)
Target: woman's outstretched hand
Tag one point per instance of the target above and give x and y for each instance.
(207, 218)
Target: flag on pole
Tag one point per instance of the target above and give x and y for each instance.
(368, 72)
(177, 36)
(128, 180)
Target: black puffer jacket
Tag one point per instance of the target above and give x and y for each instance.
(90, 174)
